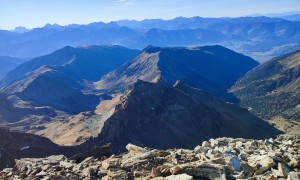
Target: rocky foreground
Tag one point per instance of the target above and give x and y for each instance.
(221, 158)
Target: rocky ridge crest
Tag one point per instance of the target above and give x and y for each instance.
(220, 158)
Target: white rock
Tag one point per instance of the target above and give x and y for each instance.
(200, 149)
(179, 177)
(205, 144)
(134, 150)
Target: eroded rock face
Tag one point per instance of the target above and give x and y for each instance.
(223, 158)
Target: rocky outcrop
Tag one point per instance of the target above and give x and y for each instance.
(221, 158)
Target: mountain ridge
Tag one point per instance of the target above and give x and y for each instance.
(258, 37)
(201, 67)
(73, 59)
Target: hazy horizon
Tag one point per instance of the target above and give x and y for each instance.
(32, 14)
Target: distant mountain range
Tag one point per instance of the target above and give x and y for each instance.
(259, 37)
(8, 63)
(88, 63)
(293, 17)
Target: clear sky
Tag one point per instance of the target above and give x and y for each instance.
(35, 13)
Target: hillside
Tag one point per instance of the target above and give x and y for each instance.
(54, 87)
(14, 110)
(211, 68)
(272, 89)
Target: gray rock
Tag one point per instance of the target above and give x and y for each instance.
(283, 169)
(66, 165)
(235, 163)
(240, 159)
(200, 149)
(232, 160)
(117, 174)
(293, 176)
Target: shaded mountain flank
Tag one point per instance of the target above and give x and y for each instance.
(273, 88)
(8, 63)
(55, 87)
(11, 112)
(160, 115)
(15, 145)
(211, 68)
(88, 63)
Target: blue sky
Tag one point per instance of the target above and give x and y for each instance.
(35, 13)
